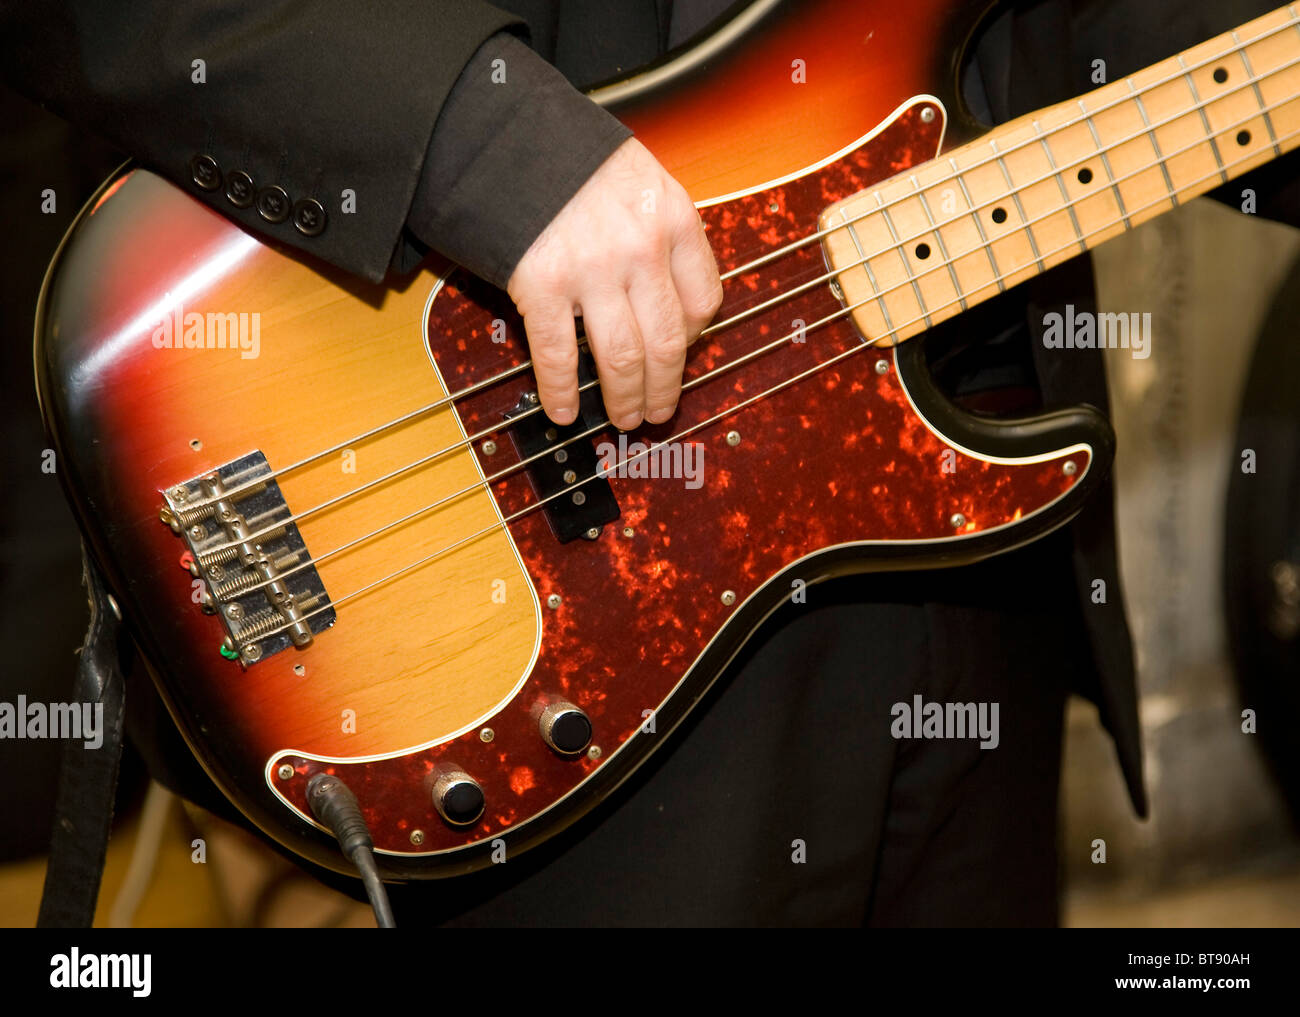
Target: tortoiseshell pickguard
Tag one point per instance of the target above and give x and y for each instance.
(839, 457)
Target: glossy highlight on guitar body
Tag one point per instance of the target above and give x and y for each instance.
(855, 467)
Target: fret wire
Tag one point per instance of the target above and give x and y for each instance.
(943, 248)
(1020, 209)
(1060, 181)
(1160, 158)
(1205, 120)
(871, 276)
(907, 262)
(1096, 139)
(988, 248)
(1259, 96)
(1293, 23)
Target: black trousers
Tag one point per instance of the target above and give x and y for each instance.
(786, 799)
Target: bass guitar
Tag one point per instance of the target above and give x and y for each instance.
(348, 541)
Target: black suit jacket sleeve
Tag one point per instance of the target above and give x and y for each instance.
(514, 142)
(317, 99)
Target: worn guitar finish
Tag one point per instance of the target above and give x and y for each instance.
(449, 666)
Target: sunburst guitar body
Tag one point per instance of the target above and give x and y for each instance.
(346, 540)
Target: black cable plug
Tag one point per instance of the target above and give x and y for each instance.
(336, 806)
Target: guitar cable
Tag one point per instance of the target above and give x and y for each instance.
(336, 806)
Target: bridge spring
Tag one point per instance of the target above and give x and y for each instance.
(185, 518)
(265, 622)
(225, 554)
(259, 625)
(234, 587)
(206, 561)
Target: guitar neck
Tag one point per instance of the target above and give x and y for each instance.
(1030, 194)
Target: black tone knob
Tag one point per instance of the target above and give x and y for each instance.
(458, 798)
(564, 728)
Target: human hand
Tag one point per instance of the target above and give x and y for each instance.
(628, 253)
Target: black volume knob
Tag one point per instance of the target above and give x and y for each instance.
(458, 798)
(564, 728)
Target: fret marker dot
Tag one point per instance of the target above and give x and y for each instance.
(1085, 175)
(923, 251)
(1220, 75)
(1243, 137)
(999, 215)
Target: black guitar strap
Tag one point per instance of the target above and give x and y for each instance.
(83, 813)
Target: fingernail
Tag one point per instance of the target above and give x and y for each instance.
(659, 416)
(628, 422)
(564, 416)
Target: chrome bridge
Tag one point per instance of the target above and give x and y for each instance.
(257, 573)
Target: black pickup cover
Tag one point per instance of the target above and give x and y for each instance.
(568, 520)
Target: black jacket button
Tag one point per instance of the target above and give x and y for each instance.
(309, 217)
(205, 172)
(239, 189)
(273, 204)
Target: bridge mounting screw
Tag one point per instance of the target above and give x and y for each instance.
(593, 533)
(234, 611)
(882, 366)
(530, 398)
(774, 207)
(1069, 468)
(198, 532)
(957, 520)
(179, 494)
(628, 531)
(553, 601)
(728, 597)
(593, 752)
(927, 114)
(285, 772)
(486, 735)
(489, 447)
(733, 438)
(252, 652)
(417, 837)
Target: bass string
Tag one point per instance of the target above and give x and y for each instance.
(550, 450)
(719, 416)
(820, 234)
(940, 265)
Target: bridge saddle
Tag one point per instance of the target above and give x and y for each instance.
(243, 544)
